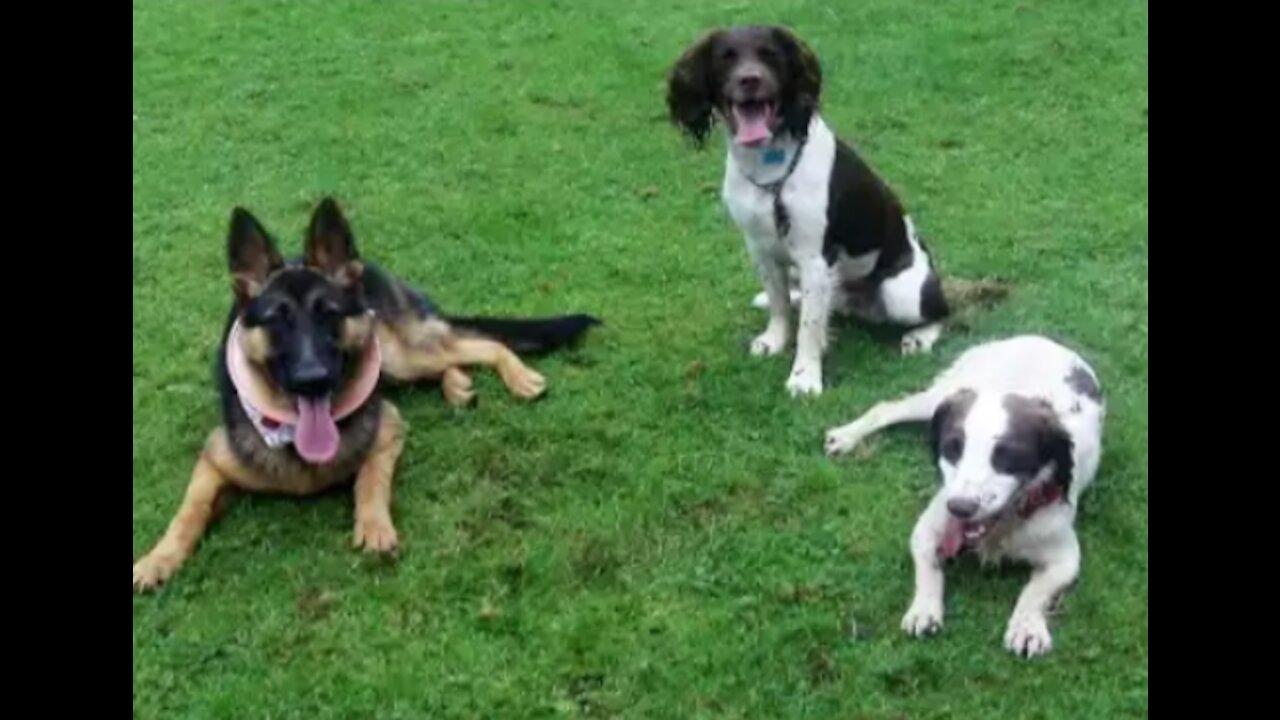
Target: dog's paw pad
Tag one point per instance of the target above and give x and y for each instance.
(806, 381)
(921, 340)
(922, 621)
(1028, 636)
(153, 571)
(531, 385)
(768, 345)
(376, 536)
(841, 442)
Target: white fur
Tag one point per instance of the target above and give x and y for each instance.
(805, 194)
(1031, 367)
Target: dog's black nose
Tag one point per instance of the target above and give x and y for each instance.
(310, 379)
(963, 508)
(749, 81)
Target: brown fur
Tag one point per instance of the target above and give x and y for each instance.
(414, 350)
(372, 440)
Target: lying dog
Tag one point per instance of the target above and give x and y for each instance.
(805, 201)
(304, 349)
(1017, 436)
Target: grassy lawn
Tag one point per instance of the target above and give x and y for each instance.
(661, 537)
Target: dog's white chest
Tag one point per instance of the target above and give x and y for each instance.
(753, 210)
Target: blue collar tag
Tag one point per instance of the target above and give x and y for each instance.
(773, 156)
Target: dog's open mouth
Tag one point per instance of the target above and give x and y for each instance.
(961, 534)
(317, 435)
(753, 121)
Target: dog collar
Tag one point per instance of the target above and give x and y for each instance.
(960, 535)
(773, 156)
(269, 410)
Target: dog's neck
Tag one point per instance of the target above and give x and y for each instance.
(766, 164)
(773, 162)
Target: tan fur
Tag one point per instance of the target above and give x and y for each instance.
(374, 531)
(355, 332)
(220, 469)
(256, 344)
(430, 350)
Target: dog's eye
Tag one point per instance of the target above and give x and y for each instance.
(953, 448)
(728, 54)
(767, 53)
(326, 308)
(278, 313)
(1013, 460)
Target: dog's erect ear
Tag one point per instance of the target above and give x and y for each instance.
(803, 85)
(691, 91)
(251, 255)
(331, 248)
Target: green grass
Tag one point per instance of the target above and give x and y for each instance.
(661, 537)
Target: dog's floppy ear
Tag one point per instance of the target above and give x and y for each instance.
(691, 90)
(331, 248)
(803, 85)
(951, 412)
(1035, 419)
(1056, 447)
(251, 255)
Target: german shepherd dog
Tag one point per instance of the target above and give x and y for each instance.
(298, 373)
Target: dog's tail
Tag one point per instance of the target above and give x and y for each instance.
(984, 293)
(531, 336)
(967, 297)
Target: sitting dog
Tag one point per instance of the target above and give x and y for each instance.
(1017, 436)
(298, 373)
(806, 203)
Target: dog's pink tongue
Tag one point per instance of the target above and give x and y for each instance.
(317, 436)
(952, 539)
(753, 127)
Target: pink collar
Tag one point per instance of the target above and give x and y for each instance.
(256, 392)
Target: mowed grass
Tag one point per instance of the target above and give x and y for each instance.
(661, 536)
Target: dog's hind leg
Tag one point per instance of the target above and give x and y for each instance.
(916, 408)
(457, 388)
(442, 354)
(374, 530)
(211, 479)
(519, 378)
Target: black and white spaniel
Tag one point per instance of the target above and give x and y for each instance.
(1017, 438)
(810, 208)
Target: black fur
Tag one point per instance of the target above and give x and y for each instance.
(946, 428)
(1034, 441)
(864, 216)
(529, 337)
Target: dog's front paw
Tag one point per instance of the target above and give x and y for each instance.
(924, 619)
(921, 340)
(153, 571)
(375, 535)
(769, 343)
(805, 380)
(1028, 636)
(841, 441)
